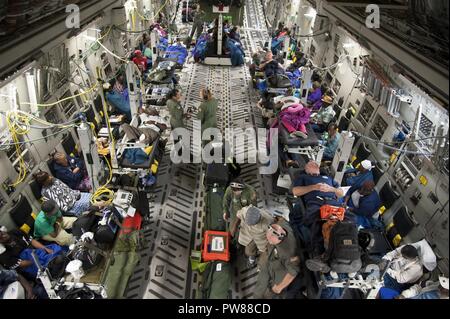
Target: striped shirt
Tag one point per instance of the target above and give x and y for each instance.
(256, 233)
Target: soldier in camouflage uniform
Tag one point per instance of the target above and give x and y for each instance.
(237, 196)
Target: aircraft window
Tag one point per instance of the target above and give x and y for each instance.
(336, 86)
(312, 51)
(2, 201)
(379, 128)
(336, 58)
(328, 78)
(52, 117)
(337, 39)
(68, 107)
(341, 101)
(78, 99)
(426, 126)
(366, 112)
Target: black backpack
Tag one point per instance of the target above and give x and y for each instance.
(344, 244)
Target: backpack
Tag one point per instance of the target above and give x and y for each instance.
(344, 251)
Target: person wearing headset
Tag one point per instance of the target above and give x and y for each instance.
(279, 274)
(237, 196)
(207, 112)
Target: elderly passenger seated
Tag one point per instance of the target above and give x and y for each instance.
(68, 200)
(316, 190)
(364, 203)
(118, 101)
(323, 118)
(271, 68)
(16, 252)
(404, 269)
(314, 100)
(71, 171)
(50, 225)
(331, 142)
(355, 178)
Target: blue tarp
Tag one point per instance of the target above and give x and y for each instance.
(178, 52)
(236, 52)
(136, 156)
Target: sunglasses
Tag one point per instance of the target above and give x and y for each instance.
(276, 233)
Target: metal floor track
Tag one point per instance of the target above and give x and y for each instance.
(175, 225)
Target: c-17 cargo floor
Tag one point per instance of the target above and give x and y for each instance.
(175, 224)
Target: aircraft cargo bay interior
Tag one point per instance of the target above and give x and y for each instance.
(224, 149)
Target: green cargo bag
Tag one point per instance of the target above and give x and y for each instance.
(214, 213)
(217, 280)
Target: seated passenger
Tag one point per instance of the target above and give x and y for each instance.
(8, 291)
(279, 275)
(326, 114)
(363, 174)
(427, 290)
(234, 34)
(314, 100)
(117, 101)
(331, 143)
(50, 225)
(140, 60)
(18, 248)
(270, 66)
(364, 203)
(252, 224)
(119, 85)
(71, 171)
(68, 200)
(403, 270)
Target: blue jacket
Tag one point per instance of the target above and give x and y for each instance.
(331, 146)
(357, 181)
(119, 102)
(368, 205)
(65, 174)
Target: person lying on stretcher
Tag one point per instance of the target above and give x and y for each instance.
(152, 125)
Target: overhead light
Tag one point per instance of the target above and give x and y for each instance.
(311, 14)
(348, 45)
(90, 37)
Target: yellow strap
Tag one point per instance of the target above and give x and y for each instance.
(25, 228)
(382, 210)
(396, 241)
(389, 226)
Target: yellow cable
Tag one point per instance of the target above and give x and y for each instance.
(156, 14)
(113, 54)
(103, 189)
(65, 99)
(17, 130)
